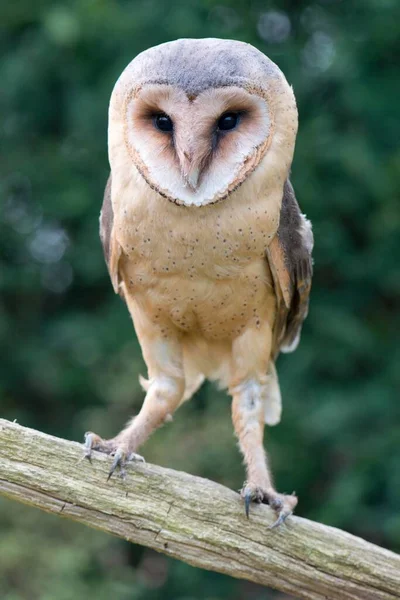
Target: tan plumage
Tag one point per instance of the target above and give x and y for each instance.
(204, 238)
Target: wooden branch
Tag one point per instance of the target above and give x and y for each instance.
(194, 520)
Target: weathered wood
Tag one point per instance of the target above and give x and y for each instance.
(194, 520)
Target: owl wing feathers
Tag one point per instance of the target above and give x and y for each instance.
(290, 261)
(111, 249)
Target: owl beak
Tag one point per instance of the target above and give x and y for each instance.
(192, 176)
(190, 169)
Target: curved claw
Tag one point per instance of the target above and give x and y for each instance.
(136, 457)
(281, 519)
(120, 454)
(247, 501)
(119, 461)
(88, 445)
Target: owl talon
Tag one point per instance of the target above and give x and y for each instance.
(121, 458)
(247, 500)
(283, 515)
(88, 446)
(282, 504)
(95, 442)
(119, 461)
(136, 458)
(250, 494)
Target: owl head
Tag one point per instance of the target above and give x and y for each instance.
(196, 117)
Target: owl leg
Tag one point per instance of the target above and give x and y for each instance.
(166, 387)
(163, 397)
(248, 410)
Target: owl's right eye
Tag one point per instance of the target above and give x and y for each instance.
(163, 122)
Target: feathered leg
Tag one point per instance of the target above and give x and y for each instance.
(249, 389)
(163, 355)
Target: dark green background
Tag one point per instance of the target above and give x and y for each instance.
(69, 357)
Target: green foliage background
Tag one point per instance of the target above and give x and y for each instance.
(69, 357)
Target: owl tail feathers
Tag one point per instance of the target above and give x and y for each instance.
(273, 399)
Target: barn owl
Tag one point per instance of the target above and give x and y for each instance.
(204, 239)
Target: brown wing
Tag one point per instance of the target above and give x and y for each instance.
(111, 248)
(290, 261)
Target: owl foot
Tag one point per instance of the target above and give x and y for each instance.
(114, 448)
(282, 504)
(95, 442)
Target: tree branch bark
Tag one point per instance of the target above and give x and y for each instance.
(194, 520)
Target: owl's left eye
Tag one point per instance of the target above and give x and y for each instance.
(163, 122)
(228, 121)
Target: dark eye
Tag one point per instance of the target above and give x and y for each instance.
(163, 123)
(228, 121)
